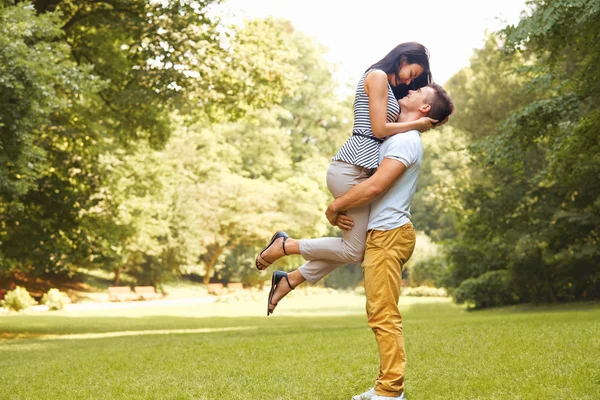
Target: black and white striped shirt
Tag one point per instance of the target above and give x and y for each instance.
(362, 149)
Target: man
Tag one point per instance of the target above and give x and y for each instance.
(391, 236)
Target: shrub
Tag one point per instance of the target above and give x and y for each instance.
(428, 266)
(55, 299)
(345, 277)
(18, 299)
(492, 289)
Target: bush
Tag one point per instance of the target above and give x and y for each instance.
(427, 273)
(428, 266)
(55, 299)
(239, 266)
(492, 289)
(18, 299)
(345, 277)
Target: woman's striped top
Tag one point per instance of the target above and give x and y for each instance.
(362, 149)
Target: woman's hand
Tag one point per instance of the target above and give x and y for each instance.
(443, 122)
(425, 124)
(344, 222)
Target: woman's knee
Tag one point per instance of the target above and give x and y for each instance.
(353, 254)
(356, 256)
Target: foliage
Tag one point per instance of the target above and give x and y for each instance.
(427, 266)
(250, 176)
(492, 289)
(347, 276)
(146, 136)
(238, 266)
(566, 121)
(45, 171)
(161, 56)
(18, 299)
(531, 205)
(430, 272)
(444, 174)
(55, 299)
(487, 91)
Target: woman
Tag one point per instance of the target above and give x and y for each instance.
(376, 111)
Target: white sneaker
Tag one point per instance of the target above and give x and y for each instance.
(368, 395)
(401, 397)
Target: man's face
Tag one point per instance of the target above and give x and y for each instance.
(417, 99)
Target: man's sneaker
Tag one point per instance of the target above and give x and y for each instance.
(401, 397)
(368, 395)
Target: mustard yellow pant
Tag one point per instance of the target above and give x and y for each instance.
(385, 255)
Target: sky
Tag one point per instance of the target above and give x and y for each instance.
(360, 33)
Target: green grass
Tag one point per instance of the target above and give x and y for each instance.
(314, 347)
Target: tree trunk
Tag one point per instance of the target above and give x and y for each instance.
(117, 276)
(211, 264)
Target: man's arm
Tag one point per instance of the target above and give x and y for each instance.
(365, 192)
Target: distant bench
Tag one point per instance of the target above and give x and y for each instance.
(121, 293)
(235, 286)
(218, 288)
(124, 293)
(147, 292)
(215, 288)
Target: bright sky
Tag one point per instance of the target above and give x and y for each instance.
(360, 33)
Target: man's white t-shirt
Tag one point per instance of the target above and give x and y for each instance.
(391, 210)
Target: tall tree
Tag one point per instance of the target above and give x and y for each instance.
(47, 147)
(533, 207)
(218, 189)
(84, 79)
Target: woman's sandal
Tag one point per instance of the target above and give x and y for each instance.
(264, 261)
(277, 276)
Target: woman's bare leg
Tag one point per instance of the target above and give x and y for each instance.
(283, 288)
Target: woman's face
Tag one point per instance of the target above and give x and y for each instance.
(407, 73)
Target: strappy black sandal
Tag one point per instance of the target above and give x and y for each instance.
(264, 261)
(277, 276)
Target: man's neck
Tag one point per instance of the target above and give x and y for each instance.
(408, 116)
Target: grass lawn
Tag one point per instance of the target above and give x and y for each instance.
(314, 347)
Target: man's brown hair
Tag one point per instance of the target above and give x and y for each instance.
(441, 103)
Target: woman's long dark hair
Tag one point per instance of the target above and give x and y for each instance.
(410, 53)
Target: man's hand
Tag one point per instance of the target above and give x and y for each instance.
(332, 214)
(344, 222)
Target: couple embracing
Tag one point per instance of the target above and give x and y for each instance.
(373, 179)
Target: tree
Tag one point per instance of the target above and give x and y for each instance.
(533, 204)
(564, 120)
(266, 171)
(246, 187)
(444, 175)
(46, 175)
(84, 80)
